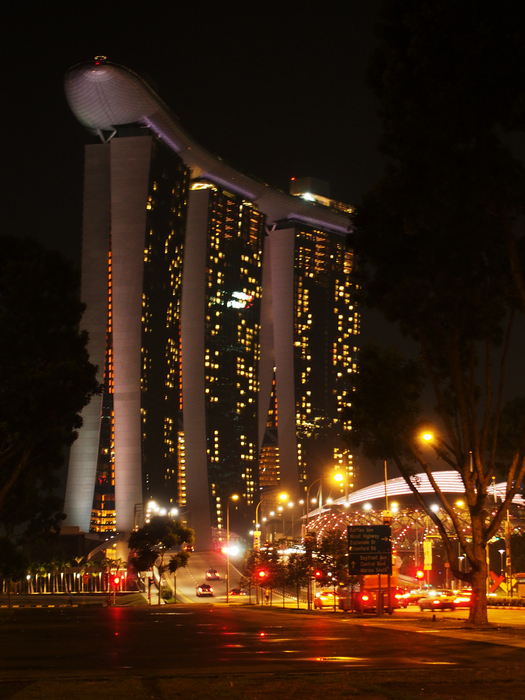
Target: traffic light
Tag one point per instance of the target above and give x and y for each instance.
(420, 574)
(262, 575)
(318, 574)
(116, 580)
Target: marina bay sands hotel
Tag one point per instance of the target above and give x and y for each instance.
(221, 315)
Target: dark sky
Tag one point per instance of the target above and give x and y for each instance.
(273, 89)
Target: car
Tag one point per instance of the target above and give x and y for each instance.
(411, 598)
(438, 600)
(325, 599)
(398, 594)
(463, 598)
(237, 591)
(212, 575)
(204, 589)
(368, 599)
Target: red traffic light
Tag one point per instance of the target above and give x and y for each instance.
(420, 574)
(116, 580)
(262, 574)
(318, 573)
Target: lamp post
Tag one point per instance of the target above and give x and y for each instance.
(308, 590)
(291, 505)
(339, 478)
(233, 497)
(501, 553)
(461, 557)
(308, 502)
(283, 496)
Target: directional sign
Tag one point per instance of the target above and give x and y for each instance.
(427, 553)
(369, 549)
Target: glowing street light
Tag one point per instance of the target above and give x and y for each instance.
(283, 496)
(340, 478)
(502, 552)
(308, 502)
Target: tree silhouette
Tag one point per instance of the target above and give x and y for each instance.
(151, 543)
(440, 240)
(45, 380)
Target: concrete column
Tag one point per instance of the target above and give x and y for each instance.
(94, 293)
(193, 319)
(282, 251)
(130, 165)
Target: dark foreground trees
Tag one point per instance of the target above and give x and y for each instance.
(45, 381)
(441, 237)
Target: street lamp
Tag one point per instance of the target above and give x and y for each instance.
(339, 478)
(291, 505)
(501, 552)
(308, 502)
(308, 590)
(233, 497)
(283, 496)
(461, 557)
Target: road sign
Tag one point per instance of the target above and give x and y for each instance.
(369, 549)
(427, 553)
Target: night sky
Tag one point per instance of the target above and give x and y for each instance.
(274, 89)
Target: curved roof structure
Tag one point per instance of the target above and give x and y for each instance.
(448, 481)
(104, 96)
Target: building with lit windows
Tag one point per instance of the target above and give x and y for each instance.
(221, 317)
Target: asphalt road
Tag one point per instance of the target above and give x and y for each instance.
(215, 639)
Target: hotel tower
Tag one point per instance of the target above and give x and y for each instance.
(221, 316)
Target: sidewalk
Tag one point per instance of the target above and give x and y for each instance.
(448, 625)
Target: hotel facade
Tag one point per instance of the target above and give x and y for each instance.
(221, 315)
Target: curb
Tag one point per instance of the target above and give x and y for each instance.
(53, 605)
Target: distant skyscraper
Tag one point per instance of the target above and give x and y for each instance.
(221, 317)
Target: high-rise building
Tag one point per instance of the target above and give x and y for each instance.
(221, 315)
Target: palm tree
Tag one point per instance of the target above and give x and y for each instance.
(107, 563)
(79, 571)
(67, 572)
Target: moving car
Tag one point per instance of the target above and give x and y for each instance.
(325, 599)
(411, 598)
(204, 589)
(368, 599)
(212, 575)
(463, 598)
(237, 591)
(438, 600)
